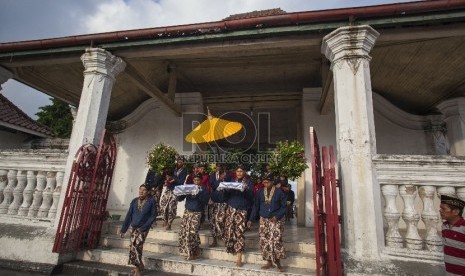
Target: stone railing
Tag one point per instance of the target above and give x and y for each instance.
(411, 186)
(30, 183)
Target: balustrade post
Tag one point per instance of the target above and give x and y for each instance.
(446, 190)
(411, 216)
(392, 215)
(460, 191)
(47, 195)
(56, 195)
(8, 191)
(18, 193)
(27, 194)
(430, 218)
(3, 183)
(37, 197)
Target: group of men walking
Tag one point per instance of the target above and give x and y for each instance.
(231, 212)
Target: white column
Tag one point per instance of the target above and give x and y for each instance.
(101, 69)
(454, 113)
(348, 50)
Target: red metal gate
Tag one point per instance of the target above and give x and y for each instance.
(84, 207)
(325, 201)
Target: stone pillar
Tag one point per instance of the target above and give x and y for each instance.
(348, 50)
(454, 116)
(101, 69)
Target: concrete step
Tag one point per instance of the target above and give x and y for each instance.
(177, 264)
(252, 256)
(306, 246)
(99, 269)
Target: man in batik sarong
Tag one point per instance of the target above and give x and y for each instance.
(154, 183)
(189, 239)
(236, 215)
(270, 207)
(217, 206)
(168, 202)
(141, 214)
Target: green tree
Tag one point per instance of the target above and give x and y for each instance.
(57, 117)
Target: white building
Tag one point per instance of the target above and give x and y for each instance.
(383, 84)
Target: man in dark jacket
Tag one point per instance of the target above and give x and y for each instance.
(270, 207)
(141, 214)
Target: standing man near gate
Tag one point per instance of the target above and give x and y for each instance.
(141, 214)
(270, 207)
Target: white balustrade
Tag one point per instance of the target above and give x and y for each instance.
(47, 195)
(430, 218)
(37, 197)
(392, 215)
(27, 194)
(18, 193)
(30, 183)
(8, 191)
(56, 195)
(3, 183)
(410, 216)
(411, 187)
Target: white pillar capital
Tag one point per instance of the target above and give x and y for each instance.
(99, 61)
(454, 116)
(453, 107)
(5, 75)
(349, 43)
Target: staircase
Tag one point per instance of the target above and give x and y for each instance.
(161, 254)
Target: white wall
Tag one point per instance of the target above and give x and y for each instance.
(152, 123)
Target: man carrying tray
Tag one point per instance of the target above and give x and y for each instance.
(238, 201)
(189, 239)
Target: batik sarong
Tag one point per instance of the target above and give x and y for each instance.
(271, 242)
(168, 206)
(189, 239)
(217, 218)
(234, 228)
(135, 248)
(157, 196)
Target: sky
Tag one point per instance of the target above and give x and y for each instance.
(33, 19)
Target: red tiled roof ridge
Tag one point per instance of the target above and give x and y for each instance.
(11, 114)
(253, 14)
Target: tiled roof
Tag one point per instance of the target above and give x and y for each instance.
(12, 115)
(253, 14)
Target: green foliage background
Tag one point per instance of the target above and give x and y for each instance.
(57, 117)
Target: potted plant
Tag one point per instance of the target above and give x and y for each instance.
(161, 158)
(288, 160)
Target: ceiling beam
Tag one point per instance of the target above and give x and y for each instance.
(327, 94)
(150, 89)
(39, 82)
(172, 81)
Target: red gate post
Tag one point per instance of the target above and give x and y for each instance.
(318, 208)
(327, 219)
(86, 198)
